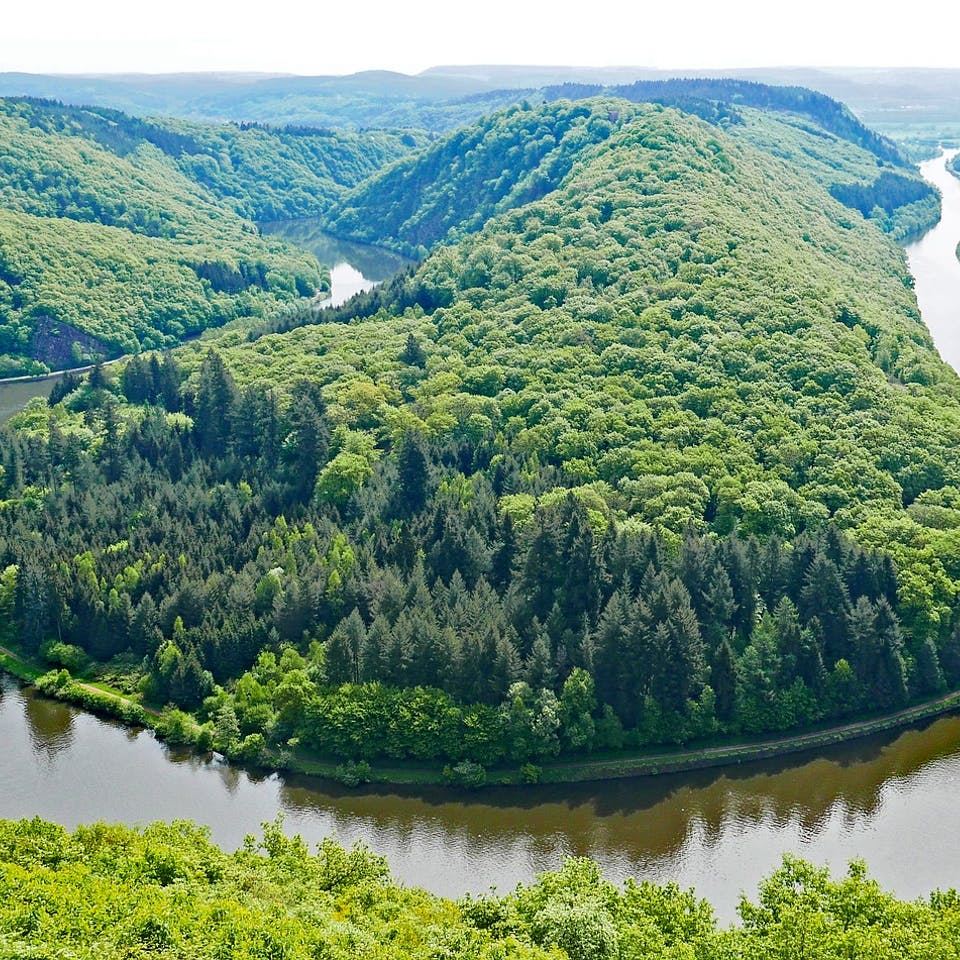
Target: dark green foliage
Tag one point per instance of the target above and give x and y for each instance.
(679, 461)
(502, 162)
(827, 113)
(888, 192)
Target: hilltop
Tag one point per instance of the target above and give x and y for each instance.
(511, 157)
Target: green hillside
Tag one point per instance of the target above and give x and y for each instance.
(666, 455)
(521, 154)
(106, 892)
(505, 160)
(138, 232)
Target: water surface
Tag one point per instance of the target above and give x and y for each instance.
(934, 264)
(885, 799)
(354, 267)
(14, 396)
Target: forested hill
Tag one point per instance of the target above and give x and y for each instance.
(503, 161)
(263, 172)
(522, 153)
(137, 233)
(665, 454)
(725, 95)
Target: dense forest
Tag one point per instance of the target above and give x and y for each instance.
(138, 233)
(663, 455)
(828, 114)
(106, 892)
(510, 158)
(156, 214)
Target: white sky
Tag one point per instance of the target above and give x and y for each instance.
(320, 37)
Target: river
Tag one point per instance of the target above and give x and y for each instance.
(354, 267)
(934, 264)
(889, 799)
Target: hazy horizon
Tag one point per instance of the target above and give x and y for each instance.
(244, 36)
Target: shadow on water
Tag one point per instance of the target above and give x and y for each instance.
(806, 790)
(49, 724)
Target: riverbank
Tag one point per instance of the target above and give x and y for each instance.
(106, 701)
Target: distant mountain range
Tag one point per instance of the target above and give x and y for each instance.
(901, 101)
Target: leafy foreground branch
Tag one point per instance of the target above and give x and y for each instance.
(165, 891)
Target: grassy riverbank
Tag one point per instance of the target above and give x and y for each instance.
(105, 700)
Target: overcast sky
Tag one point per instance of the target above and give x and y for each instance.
(320, 37)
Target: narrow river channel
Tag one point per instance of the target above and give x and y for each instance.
(885, 799)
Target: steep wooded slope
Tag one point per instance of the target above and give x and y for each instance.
(134, 231)
(522, 153)
(734, 321)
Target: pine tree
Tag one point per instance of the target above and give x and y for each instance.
(786, 627)
(538, 668)
(501, 570)
(824, 595)
(723, 679)
(579, 595)
(413, 476)
(743, 585)
(215, 402)
(343, 649)
(168, 384)
(412, 353)
(892, 690)
(928, 677)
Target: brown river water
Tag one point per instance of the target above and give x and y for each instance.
(891, 799)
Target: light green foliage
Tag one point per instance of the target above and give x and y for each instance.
(109, 892)
(521, 154)
(134, 232)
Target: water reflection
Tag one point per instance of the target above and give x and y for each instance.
(719, 831)
(50, 725)
(354, 267)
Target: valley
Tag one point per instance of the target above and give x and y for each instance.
(609, 423)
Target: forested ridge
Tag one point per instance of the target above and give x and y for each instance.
(830, 115)
(452, 187)
(105, 892)
(139, 232)
(664, 455)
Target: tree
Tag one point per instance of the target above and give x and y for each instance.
(412, 353)
(214, 406)
(723, 679)
(413, 476)
(824, 595)
(538, 668)
(343, 649)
